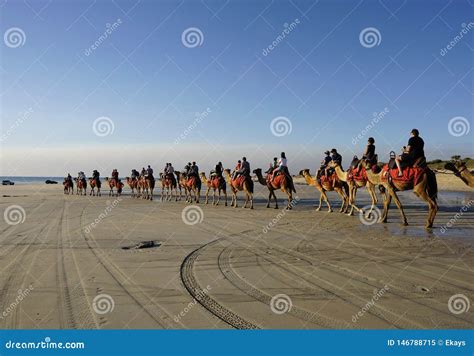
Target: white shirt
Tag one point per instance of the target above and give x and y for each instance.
(282, 162)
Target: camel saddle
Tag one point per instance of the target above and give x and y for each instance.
(239, 181)
(359, 174)
(330, 179)
(409, 174)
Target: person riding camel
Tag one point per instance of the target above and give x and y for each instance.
(170, 172)
(82, 177)
(134, 174)
(149, 172)
(413, 152)
(218, 170)
(143, 172)
(324, 164)
(273, 165)
(236, 169)
(194, 170)
(282, 166)
(369, 154)
(96, 177)
(115, 175)
(244, 168)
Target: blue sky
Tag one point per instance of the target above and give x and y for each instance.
(151, 85)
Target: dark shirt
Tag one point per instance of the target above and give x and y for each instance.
(369, 151)
(219, 170)
(417, 146)
(337, 158)
(95, 175)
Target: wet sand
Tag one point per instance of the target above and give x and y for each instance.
(234, 269)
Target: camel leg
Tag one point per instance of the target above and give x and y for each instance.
(269, 198)
(386, 207)
(234, 197)
(400, 207)
(225, 197)
(290, 198)
(373, 197)
(343, 197)
(207, 196)
(432, 205)
(275, 198)
(251, 200)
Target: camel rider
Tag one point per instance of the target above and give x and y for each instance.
(165, 170)
(336, 158)
(194, 170)
(96, 177)
(82, 177)
(273, 165)
(69, 178)
(369, 154)
(236, 169)
(143, 172)
(413, 152)
(134, 174)
(149, 172)
(245, 168)
(219, 170)
(282, 166)
(324, 164)
(170, 173)
(115, 175)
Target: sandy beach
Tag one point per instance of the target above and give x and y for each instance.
(65, 265)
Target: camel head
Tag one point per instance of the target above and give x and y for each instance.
(304, 172)
(257, 171)
(333, 164)
(451, 167)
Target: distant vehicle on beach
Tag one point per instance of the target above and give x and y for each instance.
(51, 182)
(7, 182)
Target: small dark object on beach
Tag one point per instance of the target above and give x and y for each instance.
(7, 182)
(141, 245)
(51, 182)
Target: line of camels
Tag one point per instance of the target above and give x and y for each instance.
(344, 182)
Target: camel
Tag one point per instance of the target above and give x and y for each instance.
(279, 182)
(192, 187)
(114, 184)
(81, 186)
(147, 185)
(93, 184)
(216, 184)
(356, 182)
(460, 170)
(339, 187)
(168, 185)
(68, 186)
(425, 188)
(240, 184)
(133, 184)
(181, 181)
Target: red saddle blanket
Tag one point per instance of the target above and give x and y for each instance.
(328, 179)
(277, 180)
(357, 174)
(409, 174)
(191, 181)
(239, 181)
